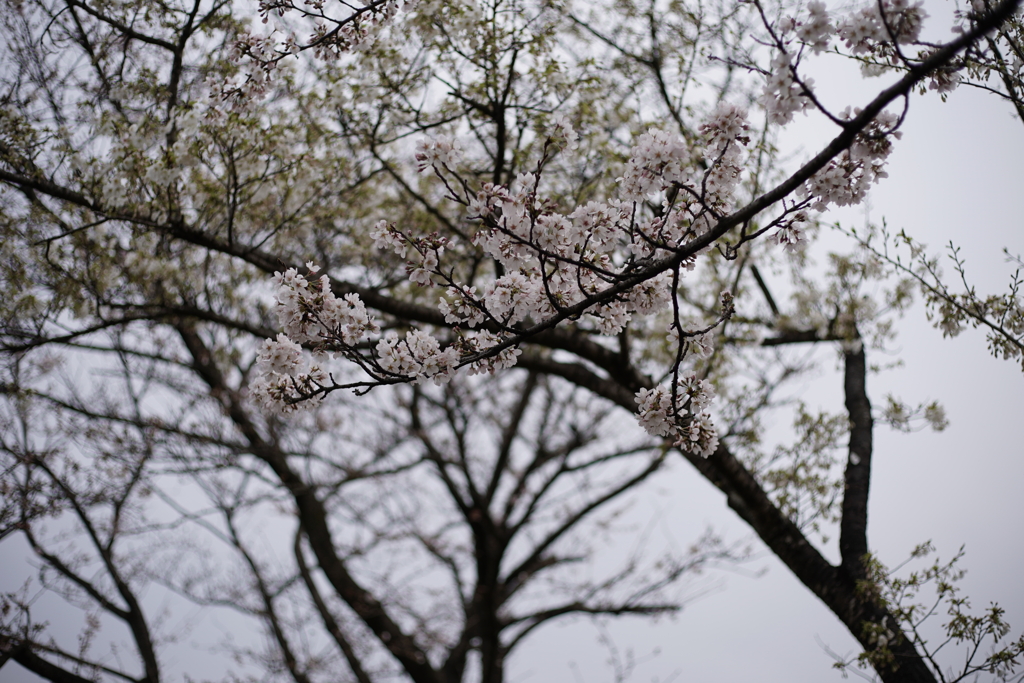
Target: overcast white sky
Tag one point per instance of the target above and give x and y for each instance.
(958, 174)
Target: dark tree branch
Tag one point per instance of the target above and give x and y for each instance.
(313, 518)
(132, 615)
(508, 434)
(24, 655)
(269, 611)
(121, 27)
(764, 290)
(330, 623)
(853, 539)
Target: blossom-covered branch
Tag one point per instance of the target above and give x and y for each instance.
(605, 262)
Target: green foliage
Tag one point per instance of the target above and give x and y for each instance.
(917, 599)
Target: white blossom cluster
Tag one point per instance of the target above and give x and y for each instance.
(285, 382)
(680, 414)
(309, 313)
(782, 95)
(871, 31)
(726, 136)
(877, 25)
(288, 378)
(549, 261)
(944, 80)
(848, 177)
(479, 342)
(331, 36)
(816, 30)
(658, 160)
(581, 263)
(790, 235)
(418, 355)
(440, 151)
(552, 261)
(259, 54)
(562, 131)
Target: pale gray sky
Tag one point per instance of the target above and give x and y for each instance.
(958, 174)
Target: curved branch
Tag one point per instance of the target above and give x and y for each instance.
(330, 623)
(313, 518)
